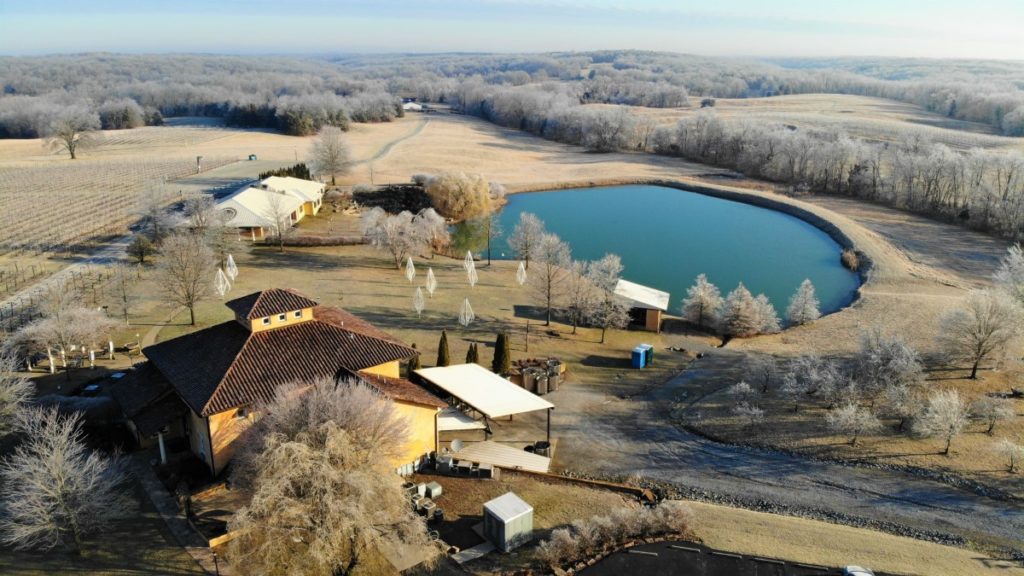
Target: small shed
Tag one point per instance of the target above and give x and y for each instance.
(643, 356)
(646, 304)
(508, 521)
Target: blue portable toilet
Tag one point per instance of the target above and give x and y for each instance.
(643, 355)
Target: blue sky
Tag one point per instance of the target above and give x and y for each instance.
(918, 28)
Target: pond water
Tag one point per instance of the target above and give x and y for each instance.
(666, 237)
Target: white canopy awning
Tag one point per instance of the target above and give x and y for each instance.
(483, 390)
(450, 419)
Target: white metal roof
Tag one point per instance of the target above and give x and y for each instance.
(451, 419)
(508, 507)
(484, 390)
(642, 296)
(412, 106)
(509, 457)
(251, 207)
(305, 190)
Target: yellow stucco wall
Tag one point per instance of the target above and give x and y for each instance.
(225, 427)
(289, 319)
(389, 369)
(422, 430)
(311, 208)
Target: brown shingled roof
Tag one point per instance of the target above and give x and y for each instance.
(269, 303)
(402, 389)
(226, 366)
(147, 399)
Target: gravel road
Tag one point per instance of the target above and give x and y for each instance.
(603, 435)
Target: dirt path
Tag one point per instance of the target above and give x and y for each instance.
(637, 436)
(386, 149)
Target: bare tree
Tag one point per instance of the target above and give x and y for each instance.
(852, 420)
(944, 416)
(1011, 451)
(15, 391)
(125, 290)
(803, 306)
(988, 322)
(324, 492)
(608, 310)
(205, 219)
(330, 153)
(54, 490)
(185, 271)
(281, 217)
(152, 209)
(702, 303)
(761, 369)
(992, 410)
(74, 130)
(525, 237)
(549, 282)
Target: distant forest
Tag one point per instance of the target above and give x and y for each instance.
(299, 95)
(548, 95)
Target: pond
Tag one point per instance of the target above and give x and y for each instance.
(666, 237)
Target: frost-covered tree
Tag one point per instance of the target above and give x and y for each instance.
(803, 305)
(739, 315)
(1010, 275)
(945, 416)
(330, 153)
(903, 402)
(123, 281)
(742, 392)
(761, 370)
(433, 229)
(991, 410)
(608, 309)
(548, 281)
(526, 236)
(749, 414)
(767, 318)
(396, 233)
(702, 303)
(1011, 451)
(324, 494)
(579, 294)
(54, 490)
(852, 420)
(982, 329)
(886, 361)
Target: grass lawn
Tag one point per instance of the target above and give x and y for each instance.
(139, 544)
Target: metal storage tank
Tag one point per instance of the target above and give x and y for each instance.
(542, 384)
(508, 521)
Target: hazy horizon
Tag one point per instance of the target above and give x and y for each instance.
(737, 28)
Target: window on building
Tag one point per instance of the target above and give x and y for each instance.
(298, 313)
(241, 413)
(266, 320)
(282, 317)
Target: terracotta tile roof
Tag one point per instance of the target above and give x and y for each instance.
(226, 366)
(269, 303)
(350, 321)
(402, 389)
